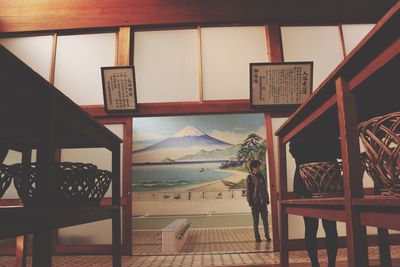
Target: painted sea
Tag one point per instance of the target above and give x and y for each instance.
(167, 176)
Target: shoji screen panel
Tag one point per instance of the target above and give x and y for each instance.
(35, 51)
(353, 34)
(78, 62)
(226, 54)
(167, 65)
(320, 44)
(96, 232)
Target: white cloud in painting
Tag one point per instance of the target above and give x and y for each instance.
(143, 139)
(235, 137)
(174, 153)
(148, 136)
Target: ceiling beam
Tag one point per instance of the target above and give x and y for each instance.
(50, 15)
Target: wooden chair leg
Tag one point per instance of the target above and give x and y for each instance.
(20, 252)
(384, 247)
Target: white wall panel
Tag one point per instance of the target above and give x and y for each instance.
(320, 44)
(166, 66)
(354, 33)
(226, 54)
(35, 51)
(78, 62)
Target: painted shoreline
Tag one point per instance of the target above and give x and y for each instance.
(216, 185)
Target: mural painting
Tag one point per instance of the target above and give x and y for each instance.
(195, 153)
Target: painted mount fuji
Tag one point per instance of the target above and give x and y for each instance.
(184, 143)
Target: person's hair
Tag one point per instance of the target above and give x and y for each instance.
(254, 163)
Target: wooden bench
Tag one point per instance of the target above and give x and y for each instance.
(174, 236)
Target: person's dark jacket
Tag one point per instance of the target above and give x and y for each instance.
(252, 198)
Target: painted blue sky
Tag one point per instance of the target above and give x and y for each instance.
(232, 128)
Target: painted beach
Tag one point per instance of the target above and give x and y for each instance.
(184, 177)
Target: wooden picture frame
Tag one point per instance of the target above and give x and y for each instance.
(284, 84)
(119, 89)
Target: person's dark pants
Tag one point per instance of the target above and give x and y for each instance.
(311, 228)
(263, 211)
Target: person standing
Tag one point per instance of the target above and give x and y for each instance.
(305, 148)
(258, 199)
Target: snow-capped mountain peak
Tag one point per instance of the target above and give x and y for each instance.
(189, 131)
(187, 141)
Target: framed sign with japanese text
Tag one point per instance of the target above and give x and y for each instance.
(280, 84)
(119, 88)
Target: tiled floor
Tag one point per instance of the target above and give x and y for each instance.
(258, 259)
(204, 247)
(203, 240)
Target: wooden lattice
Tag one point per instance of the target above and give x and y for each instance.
(75, 184)
(322, 179)
(381, 138)
(5, 179)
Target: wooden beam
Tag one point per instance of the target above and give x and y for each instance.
(186, 108)
(39, 15)
(321, 213)
(380, 219)
(179, 108)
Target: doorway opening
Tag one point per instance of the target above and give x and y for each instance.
(189, 174)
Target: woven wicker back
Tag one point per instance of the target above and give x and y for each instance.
(100, 186)
(322, 179)
(5, 179)
(381, 138)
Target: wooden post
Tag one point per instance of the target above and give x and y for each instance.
(20, 253)
(116, 217)
(123, 46)
(384, 247)
(123, 59)
(283, 222)
(274, 42)
(357, 249)
(272, 180)
(21, 242)
(42, 240)
(275, 54)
